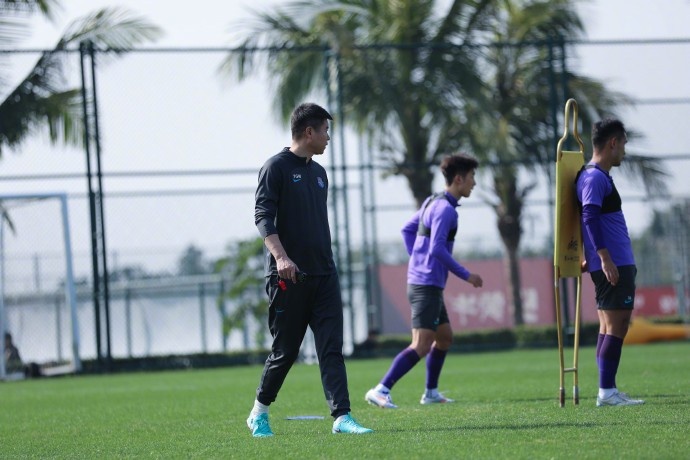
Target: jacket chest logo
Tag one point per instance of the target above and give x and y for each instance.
(296, 177)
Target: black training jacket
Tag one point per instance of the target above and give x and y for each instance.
(291, 200)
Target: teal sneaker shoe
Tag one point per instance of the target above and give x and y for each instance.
(259, 426)
(346, 424)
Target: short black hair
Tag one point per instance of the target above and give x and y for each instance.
(604, 130)
(306, 115)
(459, 163)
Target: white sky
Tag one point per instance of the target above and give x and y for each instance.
(216, 126)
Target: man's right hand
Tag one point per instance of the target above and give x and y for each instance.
(475, 280)
(611, 271)
(608, 267)
(287, 269)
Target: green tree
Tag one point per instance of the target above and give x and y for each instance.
(414, 77)
(192, 262)
(405, 97)
(511, 128)
(243, 267)
(43, 101)
(128, 273)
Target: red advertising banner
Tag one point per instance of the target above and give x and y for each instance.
(491, 306)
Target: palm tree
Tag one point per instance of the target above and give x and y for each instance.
(413, 79)
(513, 133)
(43, 99)
(405, 97)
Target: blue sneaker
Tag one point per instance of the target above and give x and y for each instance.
(259, 426)
(346, 424)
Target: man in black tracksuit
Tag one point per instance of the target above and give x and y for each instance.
(301, 279)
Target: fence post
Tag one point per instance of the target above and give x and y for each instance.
(202, 316)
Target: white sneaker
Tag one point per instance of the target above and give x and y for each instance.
(382, 400)
(634, 401)
(618, 399)
(438, 398)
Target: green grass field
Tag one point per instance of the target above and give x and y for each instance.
(506, 408)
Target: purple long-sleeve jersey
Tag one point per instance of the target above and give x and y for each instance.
(431, 257)
(603, 223)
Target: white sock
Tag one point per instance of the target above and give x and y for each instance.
(258, 409)
(605, 393)
(431, 392)
(382, 389)
(340, 419)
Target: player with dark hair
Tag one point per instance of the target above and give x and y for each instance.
(608, 254)
(429, 236)
(301, 278)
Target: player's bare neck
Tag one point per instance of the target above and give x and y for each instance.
(601, 161)
(301, 151)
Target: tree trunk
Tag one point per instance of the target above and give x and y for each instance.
(509, 214)
(419, 180)
(513, 267)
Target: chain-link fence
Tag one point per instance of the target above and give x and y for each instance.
(180, 147)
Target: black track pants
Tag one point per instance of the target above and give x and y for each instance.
(316, 303)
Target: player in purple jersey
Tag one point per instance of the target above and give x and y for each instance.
(608, 254)
(429, 237)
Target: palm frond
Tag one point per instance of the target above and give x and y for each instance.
(43, 99)
(649, 171)
(63, 113)
(39, 99)
(5, 218)
(110, 28)
(12, 30)
(14, 23)
(47, 8)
